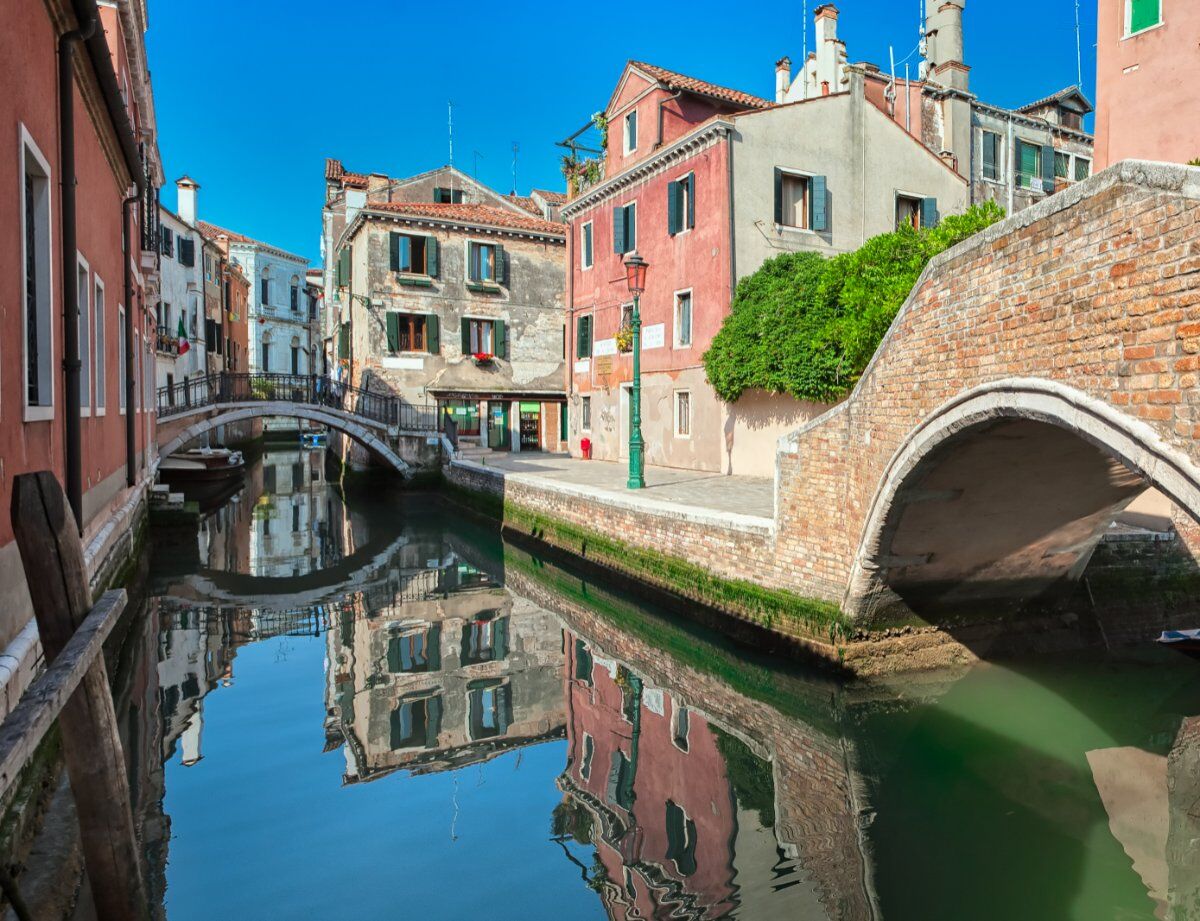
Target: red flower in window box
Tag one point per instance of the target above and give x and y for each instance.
(483, 358)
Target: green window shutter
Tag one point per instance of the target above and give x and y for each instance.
(1048, 168)
(433, 648)
(466, 336)
(501, 258)
(562, 421)
(819, 204)
(344, 267)
(691, 193)
(619, 230)
(673, 208)
(394, 250)
(989, 155)
(587, 244)
(433, 339)
(431, 256)
(583, 337)
(1027, 157)
(344, 341)
(778, 195)
(1143, 14)
(500, 339)
(630, 227)
(929, 213)
(473, 262)
(393, 331)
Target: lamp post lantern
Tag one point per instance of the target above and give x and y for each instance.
(635, 278)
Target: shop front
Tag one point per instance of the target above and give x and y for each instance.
(506, 421)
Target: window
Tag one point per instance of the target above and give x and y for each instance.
(415, 650)
(484, 639)
(991, 155)
(585, 246)
(266, 358)
(98, 340)
(589, 750)
(264, 293)
(1083, 168)
(168, 242)
(416, 721)
(1071, 119)
(187, 251)
(681, 205)
(480, 337)
(1035, 167)
(681, 839)
(295, 294)
(801, 201)
(630, 133)
(1141, 15)
(1062, 165)
(413, 254)
(679, 728)
(915, 211)
(447, 196)
(486, 263)
(489, 708)
(122, 332)
(295, 359)
(406, 332)
(585, 413)
(583, 337)
(625, 228)
(85, 338)
(683, 414)
(683, 319)
(36, 274)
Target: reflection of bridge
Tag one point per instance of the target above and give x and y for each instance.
(188, 410)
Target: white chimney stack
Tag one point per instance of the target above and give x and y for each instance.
(188, 188)
(783, 78)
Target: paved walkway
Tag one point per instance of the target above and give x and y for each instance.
(712, 492)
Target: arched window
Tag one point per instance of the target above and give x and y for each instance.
(264, 294)
(295, 292)
(265, 353)
(296, 355)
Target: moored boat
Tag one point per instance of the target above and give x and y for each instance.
(1186, 641)
(202, 465)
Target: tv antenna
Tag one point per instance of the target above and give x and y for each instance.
(477, 155)
(516, 148)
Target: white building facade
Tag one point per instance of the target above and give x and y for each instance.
(181, 297)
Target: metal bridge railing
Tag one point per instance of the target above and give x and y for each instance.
(309, 389)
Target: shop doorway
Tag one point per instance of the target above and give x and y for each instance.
(499, 436)
(531, 426)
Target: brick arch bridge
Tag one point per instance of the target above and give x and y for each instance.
(1039, 378)
(189, 410)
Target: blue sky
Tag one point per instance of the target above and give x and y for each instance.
(252, 96)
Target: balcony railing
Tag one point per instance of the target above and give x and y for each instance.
(165, 343)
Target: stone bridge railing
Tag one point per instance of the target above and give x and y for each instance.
(226, 387)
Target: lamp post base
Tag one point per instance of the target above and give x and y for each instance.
(637, 479)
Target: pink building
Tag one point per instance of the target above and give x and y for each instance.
(71, 200)
(1147, 64)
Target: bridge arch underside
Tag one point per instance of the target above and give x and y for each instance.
(996, 509)
(374, 441)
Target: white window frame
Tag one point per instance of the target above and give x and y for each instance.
(39, 412)
(99, 365)
(1128, 24)
(1075, 158)
(587, 230)
(808, 178)
(675, 414)
(678, 344)
(626, 146)
(634, 223)
(85, 335)
(121, 346)
(910, 196)
(467, 262)
(585, 418)
(138, 395)
(684, 210)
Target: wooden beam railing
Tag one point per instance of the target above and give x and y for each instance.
(75, 690)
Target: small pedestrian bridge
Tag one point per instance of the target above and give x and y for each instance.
(377, 421)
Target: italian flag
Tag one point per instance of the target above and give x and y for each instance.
(184, 345)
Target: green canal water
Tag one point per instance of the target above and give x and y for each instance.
(378, 709)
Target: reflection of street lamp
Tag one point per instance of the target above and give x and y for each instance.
(635, 278)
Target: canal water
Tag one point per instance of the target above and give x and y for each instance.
(376, 708)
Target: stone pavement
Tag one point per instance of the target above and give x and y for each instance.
(751, 497)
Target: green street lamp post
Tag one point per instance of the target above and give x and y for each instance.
(635, 278)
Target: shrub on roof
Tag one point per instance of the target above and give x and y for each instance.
(807, 326)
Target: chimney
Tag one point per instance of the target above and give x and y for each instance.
(783, 78)
(829, 51)
(944, 51)
(378, 187)
(188, 188)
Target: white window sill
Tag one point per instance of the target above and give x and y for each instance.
(39, 413)
(1157, 25)
(586, 268)
(682, 437)
(788, 228)
(680, 347)
(101, 412)
(86, 412)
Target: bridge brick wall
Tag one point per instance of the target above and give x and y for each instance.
(1097, 288)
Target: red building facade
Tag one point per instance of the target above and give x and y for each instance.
(81, 266)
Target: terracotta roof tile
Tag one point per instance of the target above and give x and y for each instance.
(555, 198)
(1062, 94)
(471, 214)
(212, 231)
(525, 202)
(679, 81)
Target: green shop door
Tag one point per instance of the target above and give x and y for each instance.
(499, 437)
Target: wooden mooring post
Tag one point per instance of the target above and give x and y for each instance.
(75, 688)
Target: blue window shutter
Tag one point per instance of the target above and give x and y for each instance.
(929, 213)
(1048, 168)
(673, 208)
(691, 193)
(819, 204)
(619, 230)
(431, 256)
(394, 250)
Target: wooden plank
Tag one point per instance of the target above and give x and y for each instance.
(24, 727)
(52, 556)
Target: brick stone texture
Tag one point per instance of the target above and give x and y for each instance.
(1097, 289)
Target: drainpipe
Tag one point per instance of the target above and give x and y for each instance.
(658, 143)
(70, 279)
(130, 412)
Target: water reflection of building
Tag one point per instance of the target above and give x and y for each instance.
(291, 534)
(453, 671)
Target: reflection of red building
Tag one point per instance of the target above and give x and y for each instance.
(660, 805)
